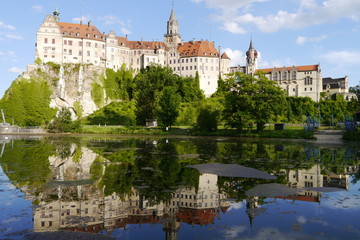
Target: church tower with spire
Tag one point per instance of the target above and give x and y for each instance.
(172, 37)
(251, 59)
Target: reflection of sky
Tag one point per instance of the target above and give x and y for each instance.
(14, 210)
(344, 200)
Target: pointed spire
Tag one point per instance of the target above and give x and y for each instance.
(172, 16)
(251, 44)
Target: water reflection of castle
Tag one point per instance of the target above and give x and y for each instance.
(86, 208)
(96, 212)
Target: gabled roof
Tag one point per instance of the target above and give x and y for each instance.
(197, 49)
(225, 56)
(76, 30)
(298, 68)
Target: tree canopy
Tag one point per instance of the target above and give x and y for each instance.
(252, 100)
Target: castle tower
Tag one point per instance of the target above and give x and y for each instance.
(172, 37)
(251, 59)
(56, 15)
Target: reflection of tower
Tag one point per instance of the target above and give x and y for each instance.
(251, 205)
(251, 59)
(171, 227)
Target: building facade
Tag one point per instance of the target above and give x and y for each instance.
(297, 81)
(62, 43)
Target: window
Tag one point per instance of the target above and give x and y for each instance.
(70, 52)
(53, 41)
(80, 43)
(70, 42)
(275, 76)
(284, 76)
(293, 75)
(88, 53)
(80, 53)
(65, 42)
(45, 40)
(88, 44)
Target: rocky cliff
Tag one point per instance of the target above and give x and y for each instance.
(73, 86)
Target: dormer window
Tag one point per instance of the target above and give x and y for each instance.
(77, 34)
(71, 33)
(64, 33)
(87, 35)
(95, 36)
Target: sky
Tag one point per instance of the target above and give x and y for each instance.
(284, 32)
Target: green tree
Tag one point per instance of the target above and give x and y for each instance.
(168, 107)
(209, 115)
(149, 83)
(252, 99)
(27, 101)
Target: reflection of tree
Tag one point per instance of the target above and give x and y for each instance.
(26, 162)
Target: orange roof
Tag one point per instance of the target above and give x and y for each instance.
(80, 31)
(302, 198)
(197, 216)
(225, 56)
(197, 49)
(146, 45)
(298, 68)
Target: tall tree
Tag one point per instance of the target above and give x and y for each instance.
(168, 105)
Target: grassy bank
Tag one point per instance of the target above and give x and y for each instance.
(352, 135)
(292, 133)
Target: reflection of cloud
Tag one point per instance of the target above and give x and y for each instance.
(236, 206)
(233, 232)
(10, 220)
(342, 201)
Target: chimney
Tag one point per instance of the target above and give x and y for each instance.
(89, 23)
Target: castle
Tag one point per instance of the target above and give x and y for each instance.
(61, 43)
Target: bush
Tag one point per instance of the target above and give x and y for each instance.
(116, 113)
(63, 123)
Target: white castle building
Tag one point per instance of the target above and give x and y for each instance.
(62, 43)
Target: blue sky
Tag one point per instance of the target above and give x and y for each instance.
(285, 32)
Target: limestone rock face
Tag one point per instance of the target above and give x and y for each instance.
(72, 85)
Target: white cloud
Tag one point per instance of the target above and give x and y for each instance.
(6, 26)
(12, 36)
(301, 40)
(83, 19)
(237, 57)
(342, 57)
(308, 12)
(16, 70)
(114, 20)
(37, 8)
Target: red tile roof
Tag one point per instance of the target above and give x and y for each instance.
(198, 49)
(225, 56)
(76, 30)
(298, 68)
(197, 216)
(146, 45)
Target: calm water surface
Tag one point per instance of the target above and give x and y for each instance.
(143, 188)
